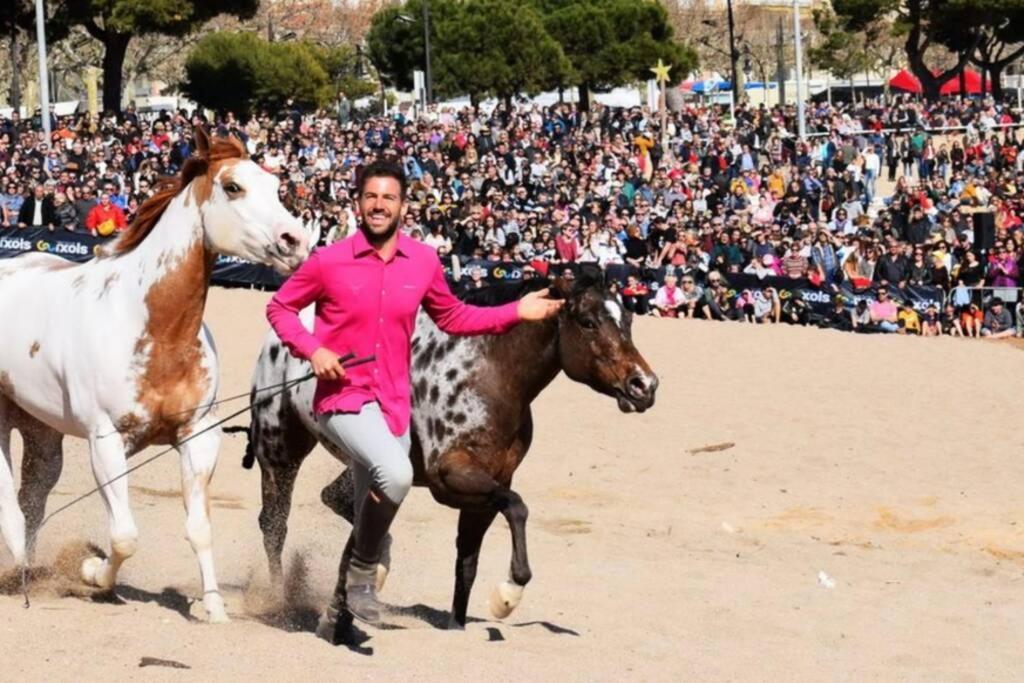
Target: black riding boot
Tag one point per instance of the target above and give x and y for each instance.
(375, 515)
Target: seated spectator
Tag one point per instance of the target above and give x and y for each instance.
(693, 297)
(766, 267)
(838, 316)
(997, 323)
(908, 321)
(971, 319)
(716, 298)
(950, 321)
(635, 295)
(884, 312)
(105, 218)
(861, 318)
(668, 301)
(795, 311)
(931, 324)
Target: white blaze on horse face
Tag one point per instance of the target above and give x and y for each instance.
(615, 311)
(243, 217)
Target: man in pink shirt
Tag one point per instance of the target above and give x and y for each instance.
(367, 289)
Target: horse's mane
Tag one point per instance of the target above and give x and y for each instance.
(506, 292)
(220, 149)
(500, 293)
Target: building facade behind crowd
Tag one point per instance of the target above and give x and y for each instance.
(872, 202)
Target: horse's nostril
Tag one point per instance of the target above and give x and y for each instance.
(289, 240)
(637, 385)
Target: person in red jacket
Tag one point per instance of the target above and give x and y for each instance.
(105, 218)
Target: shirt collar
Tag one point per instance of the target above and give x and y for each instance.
(362, 247)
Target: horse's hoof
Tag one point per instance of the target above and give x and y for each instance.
(382, 576)
(213, 603)
(454, 625)
(92, 572)
(505, 599)
(327, 627)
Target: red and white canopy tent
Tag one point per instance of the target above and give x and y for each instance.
(908, 82)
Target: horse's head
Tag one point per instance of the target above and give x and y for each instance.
(595, 344)
(241, 211)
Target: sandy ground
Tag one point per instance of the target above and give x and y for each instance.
(892, 465)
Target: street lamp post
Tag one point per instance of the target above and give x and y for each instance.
(426, 48)
(734, 55)
(44, 79)
(801, 126)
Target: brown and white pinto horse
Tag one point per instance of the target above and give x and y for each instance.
(114, 350)
(472, 424)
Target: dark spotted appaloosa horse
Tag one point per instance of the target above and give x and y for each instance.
(471, 421)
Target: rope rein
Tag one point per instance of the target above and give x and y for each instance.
(347, 361)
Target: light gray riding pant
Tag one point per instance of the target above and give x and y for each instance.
(379, 458)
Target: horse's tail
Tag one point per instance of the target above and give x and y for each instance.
(249, 459)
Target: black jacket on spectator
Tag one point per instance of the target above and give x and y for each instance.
(919, 230)
(28, 211)
(83, 207)
(892, 269)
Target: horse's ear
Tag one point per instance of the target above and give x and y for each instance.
(590, 275)
(202, 142)
(560, 288)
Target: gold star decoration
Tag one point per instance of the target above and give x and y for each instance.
(661, 71)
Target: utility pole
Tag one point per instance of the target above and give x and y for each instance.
(15, 69)
(734, 55)
(426, 45)
(44, 79)
(800, 123)
(780, 63)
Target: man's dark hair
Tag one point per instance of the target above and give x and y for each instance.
(383, 168)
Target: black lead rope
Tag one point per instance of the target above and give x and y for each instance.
(347, 361)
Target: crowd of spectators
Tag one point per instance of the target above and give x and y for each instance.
(873, 201)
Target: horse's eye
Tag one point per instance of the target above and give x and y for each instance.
(232, 188)
(588, 323)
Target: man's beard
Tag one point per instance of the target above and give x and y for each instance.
(379, 238)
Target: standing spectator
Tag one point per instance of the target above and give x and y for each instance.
(105, 218)
(64, 211)
(10, 204)
(37, 211)
(84, 204)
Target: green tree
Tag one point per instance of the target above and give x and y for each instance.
(497, 47)
(502, 46)
(843, 53)
(241, 72)
(612, 42)
(344, 70)
(395, 39)
(115, 22)
(478, 47)
(922, 25)
(999, 28)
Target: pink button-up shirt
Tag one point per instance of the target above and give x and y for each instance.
(365, 305)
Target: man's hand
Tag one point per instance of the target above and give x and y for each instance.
(537, 306)
(326, 364)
